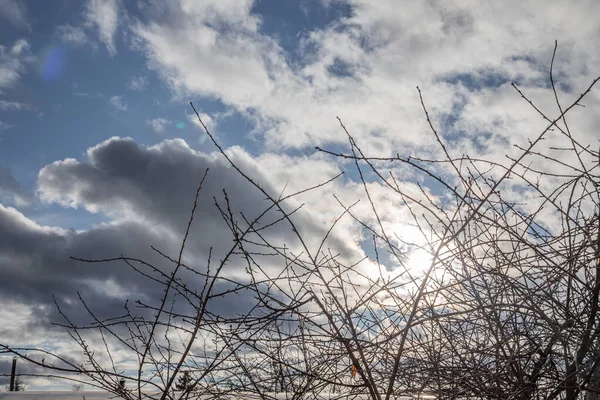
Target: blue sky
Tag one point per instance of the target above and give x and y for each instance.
(269, 78)
(76, 91)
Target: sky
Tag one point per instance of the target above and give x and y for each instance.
(101, 153)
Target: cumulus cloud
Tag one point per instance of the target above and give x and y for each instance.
(158, 124)
(117, 102)
(103, 15)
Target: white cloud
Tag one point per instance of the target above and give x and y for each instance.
(138, 83)
(72, 35)
(226, 58)
(15, 12)
(364, 67)
(12, 189)
(13, 106)
(104, 16)
(207, 119)
(158, 124)
(4, 126)
(117, 102)
(12, 62)
(91, 95)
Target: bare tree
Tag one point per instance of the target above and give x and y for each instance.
(508, 307)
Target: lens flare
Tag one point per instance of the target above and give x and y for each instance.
(180, 125)
(54, 63)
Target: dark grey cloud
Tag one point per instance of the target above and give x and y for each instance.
(156, 186)
(147, 194)
(35, 265)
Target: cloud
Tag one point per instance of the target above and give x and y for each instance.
(9, 186)
(91, 95)
(158, 124)
(147, 194)
(138, 83)
(117, 102)
(365, 65)
(128, 182)
(209, 122)
(4, 126)
(104, 16)
(13, 106)
(12, 62)
(238, 57)
(36, 261)
(15, 12)
(73, 35)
